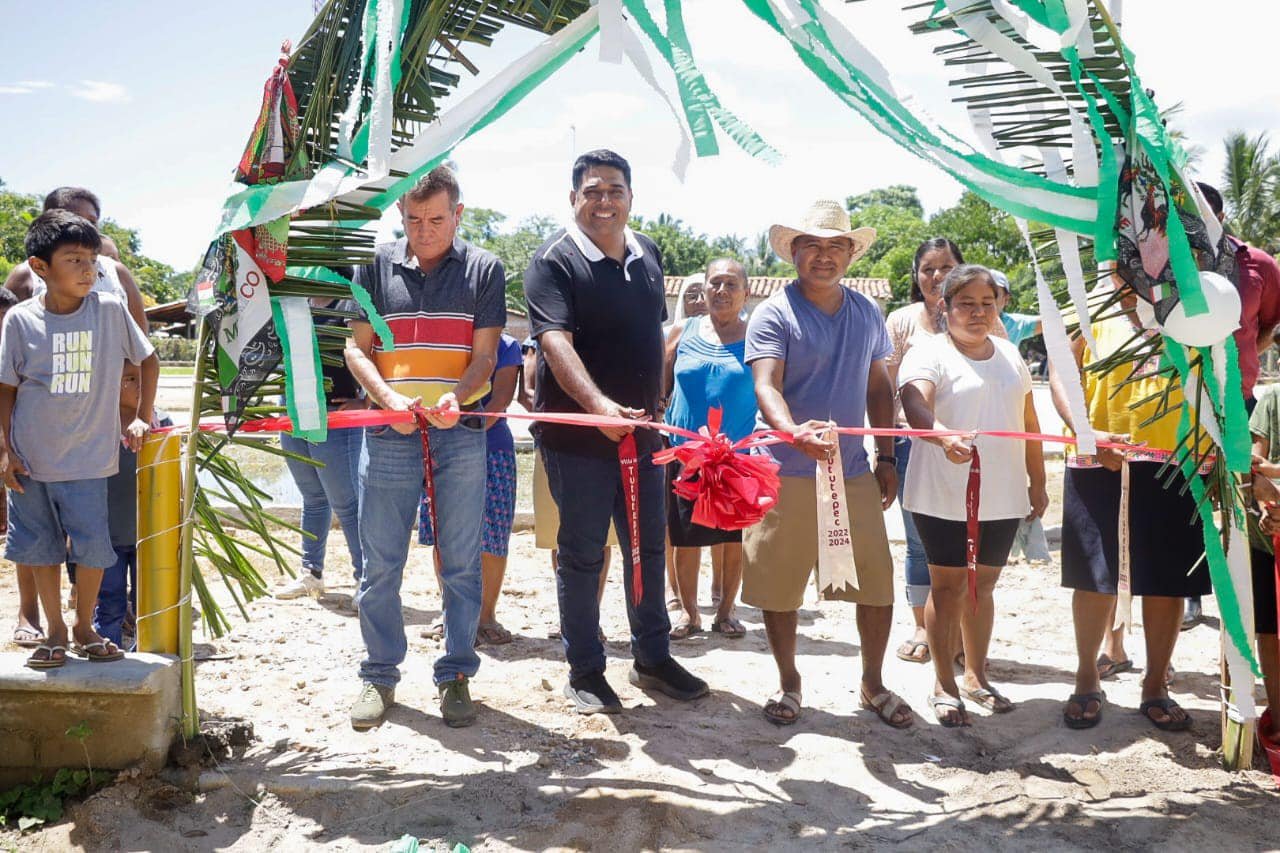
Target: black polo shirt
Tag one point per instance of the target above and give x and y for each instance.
(615, 313)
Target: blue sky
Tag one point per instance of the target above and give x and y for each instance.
(150, 103)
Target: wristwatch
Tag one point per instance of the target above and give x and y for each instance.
(884, 457)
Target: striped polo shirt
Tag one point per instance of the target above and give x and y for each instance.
(433, 315)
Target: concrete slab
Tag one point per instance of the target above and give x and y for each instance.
(131, 709)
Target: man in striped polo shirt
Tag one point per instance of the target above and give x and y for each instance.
(445, 301)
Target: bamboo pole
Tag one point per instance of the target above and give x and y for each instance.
(190, 714)
(159, 542)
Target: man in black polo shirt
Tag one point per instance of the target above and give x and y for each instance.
(596, 306)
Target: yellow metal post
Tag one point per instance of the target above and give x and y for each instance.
(159, 542)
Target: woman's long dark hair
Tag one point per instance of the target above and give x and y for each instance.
(928, 246)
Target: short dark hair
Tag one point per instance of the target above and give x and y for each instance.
(8, 299)
(57, 228)
(63, 197)
(964, 275)
(1212, 196)
(439, 179)
(917, 295)
(600, 157)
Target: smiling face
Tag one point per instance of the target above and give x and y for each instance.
(821, 261)
(973, 311)
(932, 269)
(726, 290)
(602, 204)
(430, 225)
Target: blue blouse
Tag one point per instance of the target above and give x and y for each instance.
(711, 375)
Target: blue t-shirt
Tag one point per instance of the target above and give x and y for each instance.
(1019, 327)
(827, 361)
(711, 375)
(499, 435)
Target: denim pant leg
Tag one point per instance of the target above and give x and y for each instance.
(390, 482)
(917, 568)
(316, 514)
(585, 489)
(650, 624)
(458, 455)
(113, 597)
(340, 479)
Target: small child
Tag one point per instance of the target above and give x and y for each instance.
(61, 359)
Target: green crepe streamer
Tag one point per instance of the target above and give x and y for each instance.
(358, 292)
(291, 347)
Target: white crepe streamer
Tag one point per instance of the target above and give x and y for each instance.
(1069, 250)
(381, 110)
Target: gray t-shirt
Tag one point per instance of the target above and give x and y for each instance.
(827, 362)
(66, 367)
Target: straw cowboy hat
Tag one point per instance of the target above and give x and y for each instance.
(824, 218)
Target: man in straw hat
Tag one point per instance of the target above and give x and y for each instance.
(817, 352)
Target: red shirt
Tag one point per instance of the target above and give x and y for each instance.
(1259, 307)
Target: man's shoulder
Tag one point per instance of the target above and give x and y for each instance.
(555, 246)
(1259, 257)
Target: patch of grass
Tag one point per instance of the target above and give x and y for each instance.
(175, 370)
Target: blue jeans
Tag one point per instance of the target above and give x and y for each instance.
(588, 492)
(390, 488)
(917, 565)
(118, 591)
(333, 488)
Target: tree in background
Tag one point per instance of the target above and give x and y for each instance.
(684, 252)
(899, 196)
(1251, 189)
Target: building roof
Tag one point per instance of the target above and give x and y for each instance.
(762, 287)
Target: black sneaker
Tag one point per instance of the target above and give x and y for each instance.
(670, 678)
(591, 694)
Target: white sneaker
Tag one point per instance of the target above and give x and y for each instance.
(304, 584)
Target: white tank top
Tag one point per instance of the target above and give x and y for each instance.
(107, 281)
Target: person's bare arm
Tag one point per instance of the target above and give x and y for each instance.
(918, 407)
(484, 358)
(136, 432)
(1034, 453)
(359, 356)
(880, 412)
(504, 391)
(669, 361)
(10, 465)
(528, 378)
(1109, 458)
(20, 281)
(572, 376)
(133, 297)
(810, 437)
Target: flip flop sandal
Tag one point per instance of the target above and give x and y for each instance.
(1167, 705)
(28, 638)
(949, 703)
(1108, 668)
(492, 634)
(104, 656)
(907, 651)
(1083, 700)
(49, 662)
(684, 631)
(783, 701)
(729, 628)
(434, 631)
(991, 699)
(885, 705)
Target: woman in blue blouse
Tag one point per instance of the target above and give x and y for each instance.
(705, 370)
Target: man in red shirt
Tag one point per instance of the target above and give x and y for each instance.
(1259, 286)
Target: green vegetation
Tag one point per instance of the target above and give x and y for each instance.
(39, 802)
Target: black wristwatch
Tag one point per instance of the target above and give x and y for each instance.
(884, 457)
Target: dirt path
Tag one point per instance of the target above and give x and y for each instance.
(711, 775)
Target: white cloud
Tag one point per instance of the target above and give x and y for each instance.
(36, 84)
(101, 92)
(23, 87)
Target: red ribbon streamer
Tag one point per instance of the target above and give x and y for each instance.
(973, 527)
(629, 464)
(428, 476)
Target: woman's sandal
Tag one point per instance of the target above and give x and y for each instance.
(950, 703)
(729, 627)
(48, 661)
(685, 630)
(28, 638)
(1083, 700)
(885, 705)
(1165, 704)
(783, 700)
(911, 651)
(109, 651)
(990, 698)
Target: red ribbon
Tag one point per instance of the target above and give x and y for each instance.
(428, 476)
(630, 467)
(973, 527)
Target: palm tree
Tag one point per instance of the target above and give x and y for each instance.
(1251, 188)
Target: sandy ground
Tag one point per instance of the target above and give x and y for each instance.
(709, 775)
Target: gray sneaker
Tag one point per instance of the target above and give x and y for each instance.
(371, 706)
(455, 703)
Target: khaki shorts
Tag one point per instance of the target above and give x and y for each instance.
(546, 515)
(781, 552)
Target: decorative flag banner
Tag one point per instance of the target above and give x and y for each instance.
(836, 569)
